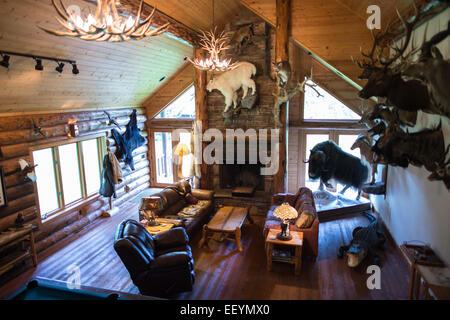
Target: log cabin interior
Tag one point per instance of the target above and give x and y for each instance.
(224, 149)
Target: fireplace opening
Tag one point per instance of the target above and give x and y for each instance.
(242, 177)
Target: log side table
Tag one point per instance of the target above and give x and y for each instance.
(296, 242)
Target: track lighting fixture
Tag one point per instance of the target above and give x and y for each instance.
(60, 67)
(75, 69)
(38, 65)
(5, 61)
(6, 55)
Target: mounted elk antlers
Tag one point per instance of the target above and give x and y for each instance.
(105, 25)
(433, 71)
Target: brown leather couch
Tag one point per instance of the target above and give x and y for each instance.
(303, 199)
(175, 206)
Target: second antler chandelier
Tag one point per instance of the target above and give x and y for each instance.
(214, 44)
(105, 25)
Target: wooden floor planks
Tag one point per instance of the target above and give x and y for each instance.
(222, 272)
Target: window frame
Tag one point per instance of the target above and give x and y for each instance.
(173, 101)
(65, 209)
(331, 122)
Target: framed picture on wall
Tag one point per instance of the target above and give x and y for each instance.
(3, 199)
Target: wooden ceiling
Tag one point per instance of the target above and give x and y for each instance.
(333, 30)
(198, 14)
(111, 74)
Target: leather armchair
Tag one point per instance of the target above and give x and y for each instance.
(159, 265)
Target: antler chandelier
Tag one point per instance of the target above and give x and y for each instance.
(214, 45)
(106, 25)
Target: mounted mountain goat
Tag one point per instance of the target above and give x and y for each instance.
(229, 83)
(328, 161)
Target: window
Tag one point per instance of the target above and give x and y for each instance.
(163, 157)
(326, 107)
(167, 170)
(67, 174)
(183, 107)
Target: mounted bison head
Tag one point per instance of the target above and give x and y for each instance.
(316, 162)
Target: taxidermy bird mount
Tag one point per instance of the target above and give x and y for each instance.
(27, 171)
(37, 130)
(111, 120)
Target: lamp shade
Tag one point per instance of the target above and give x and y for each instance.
(182, 149)
(151, 203)
(285, 212)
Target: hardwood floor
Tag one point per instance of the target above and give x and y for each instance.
(222, 272)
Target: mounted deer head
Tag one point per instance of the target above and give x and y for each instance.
(384, 78)
(433, 71)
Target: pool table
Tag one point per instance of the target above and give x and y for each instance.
(47, 289)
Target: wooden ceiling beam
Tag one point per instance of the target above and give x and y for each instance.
(175, 28)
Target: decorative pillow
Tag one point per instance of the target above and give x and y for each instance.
(305, 220)
(190, 199)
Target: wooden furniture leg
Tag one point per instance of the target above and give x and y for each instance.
(412, 280)
(238, 238)
(33, 249)
(269, 249)
(298, 260)
(204, 235)
(417, 285)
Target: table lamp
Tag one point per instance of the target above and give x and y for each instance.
(148, 207)
(285, 212)
(181, 150)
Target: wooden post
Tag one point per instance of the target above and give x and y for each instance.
(201, 112)
(281, 54)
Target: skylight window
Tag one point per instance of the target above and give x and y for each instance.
(183, 107)
(326, 107)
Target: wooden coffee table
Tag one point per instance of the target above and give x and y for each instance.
(228, 220)
(296, 241)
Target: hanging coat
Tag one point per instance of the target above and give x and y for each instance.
(107, 187)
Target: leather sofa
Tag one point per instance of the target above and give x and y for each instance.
(159, 265)
(175, 206)
(302, 200)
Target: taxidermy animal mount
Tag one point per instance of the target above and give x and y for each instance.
(407, 85)
(27, 171)
(328, 161)
(229, 82)
(283, 73)
(242, 38)
(283, 76)
(365, 242)
(433, 71)
(37, 130)
(365, 146)
(111, 121)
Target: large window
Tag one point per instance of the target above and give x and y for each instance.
(67, 174)
(183, 107)
(326, 107)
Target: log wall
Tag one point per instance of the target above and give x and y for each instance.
(16, 138)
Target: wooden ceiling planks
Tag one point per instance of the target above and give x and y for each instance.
(111, 75)
(182, 80)
(197, 14)
(333, 30)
